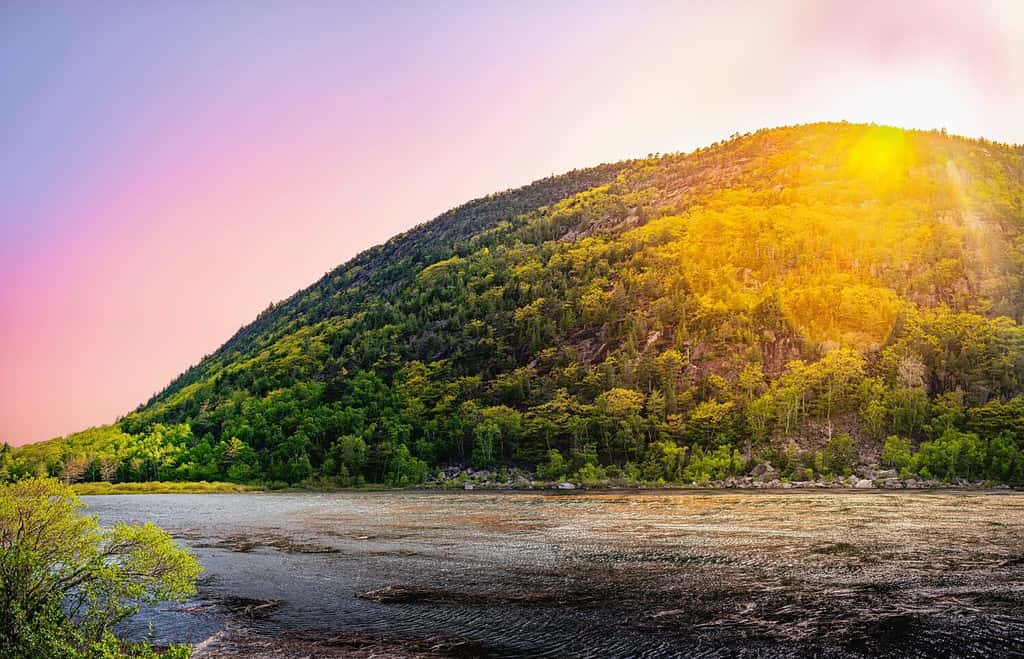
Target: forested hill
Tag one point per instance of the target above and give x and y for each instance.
(383, 268)
(830, 298)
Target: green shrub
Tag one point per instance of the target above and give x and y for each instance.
(403, 469)
(55, 560)
(719, 464)
(953, 455)
(590, 474)
(840, 455)
(896, 453)
(555, 469)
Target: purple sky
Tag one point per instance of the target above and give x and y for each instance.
(169, 171)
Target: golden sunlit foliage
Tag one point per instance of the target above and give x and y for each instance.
(882, 157)
(840, 245)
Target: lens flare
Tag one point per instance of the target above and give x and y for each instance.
(882, 158)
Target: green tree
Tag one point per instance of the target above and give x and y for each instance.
(346, 459)
(510, 423)
(619, 413)
(240, 462)
(555, 469)
(710, 423)
(953, 455)
(840, 455)
(873, 414)
(5, 461)
(65, 582)
(485, 436)
(404, 469)
(670, 369)
(751, 381)
(290, 461)
(1005, 461)
(896, 453)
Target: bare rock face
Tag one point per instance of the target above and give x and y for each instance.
(765, 472)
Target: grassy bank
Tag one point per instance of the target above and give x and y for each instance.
(169, 487)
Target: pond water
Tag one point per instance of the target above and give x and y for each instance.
(615, 574)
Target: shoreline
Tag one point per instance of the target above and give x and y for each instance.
(545, 489)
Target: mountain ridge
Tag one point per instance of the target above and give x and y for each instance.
(563, 185)
(784, 296)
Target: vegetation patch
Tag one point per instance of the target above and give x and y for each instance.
(159, 487)
(65, 582)
(831, 303)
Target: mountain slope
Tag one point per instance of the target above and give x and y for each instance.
(796, 295)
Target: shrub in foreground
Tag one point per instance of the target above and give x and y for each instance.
(65, 581)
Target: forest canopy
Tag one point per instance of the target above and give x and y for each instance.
(820, 298)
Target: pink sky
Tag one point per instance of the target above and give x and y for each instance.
(169, 172)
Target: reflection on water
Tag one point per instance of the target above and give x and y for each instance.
(512, 574)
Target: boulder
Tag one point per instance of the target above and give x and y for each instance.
(764, 472)
(863, 484)
(566, 486)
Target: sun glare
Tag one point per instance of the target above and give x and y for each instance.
(882, 158)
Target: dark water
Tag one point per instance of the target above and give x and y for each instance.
(630, 575)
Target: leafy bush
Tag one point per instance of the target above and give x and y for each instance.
(896, 453)
(719, 464)
(555, 469)
(840, 455)
(590, 474)
(953, 455)
(404, 469)
(65, 582)
(1005, 461)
